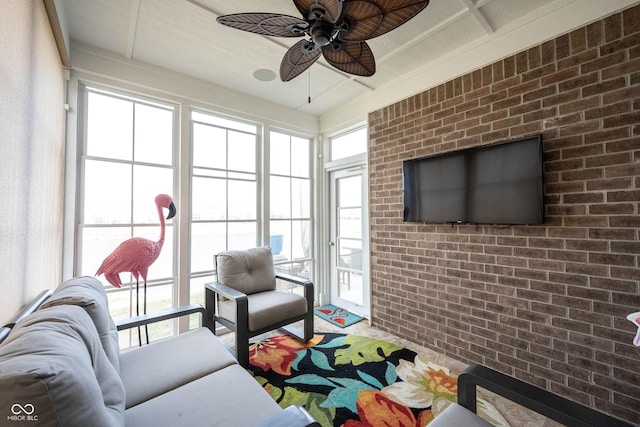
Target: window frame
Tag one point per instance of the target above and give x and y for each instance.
(183, 280)
(162, 285)
(289, 265)
(82, 157)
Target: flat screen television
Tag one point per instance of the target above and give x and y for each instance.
(493, 184)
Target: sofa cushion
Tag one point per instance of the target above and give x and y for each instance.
(266, 308)
(53, 360)
(227, 398)
(88, 293)
(159, 367)
(248, 271)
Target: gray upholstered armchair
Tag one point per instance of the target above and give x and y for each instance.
(245, 298)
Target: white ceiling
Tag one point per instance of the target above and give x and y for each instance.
(183, 36)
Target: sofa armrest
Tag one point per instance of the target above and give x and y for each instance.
(550, 405)
(29, 308)
(159, 316)
(293, 416)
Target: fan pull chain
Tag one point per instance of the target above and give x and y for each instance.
(309, 89)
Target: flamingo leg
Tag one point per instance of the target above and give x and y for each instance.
(146, 327)
(138, 311)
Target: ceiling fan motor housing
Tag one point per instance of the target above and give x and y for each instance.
(321, 33)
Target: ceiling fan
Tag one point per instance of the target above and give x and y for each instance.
(336, 28)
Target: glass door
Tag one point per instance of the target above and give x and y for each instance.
(349, 241)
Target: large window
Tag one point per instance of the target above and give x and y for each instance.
(236, 199)
(224, 190)
(290, 203)
(224, 208)
(127, 158)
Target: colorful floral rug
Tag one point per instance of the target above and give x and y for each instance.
(355, 381)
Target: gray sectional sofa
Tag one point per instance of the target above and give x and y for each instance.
(61, 366)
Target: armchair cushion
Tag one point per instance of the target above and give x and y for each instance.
(248, 271)
(267, 308)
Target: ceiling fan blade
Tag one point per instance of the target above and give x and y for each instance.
(367, 19)
(267, 24)
(297, 59)
(333, 8)
(351, 57)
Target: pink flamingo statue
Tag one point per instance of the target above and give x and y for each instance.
(135, 255)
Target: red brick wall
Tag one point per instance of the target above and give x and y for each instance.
(543, 303)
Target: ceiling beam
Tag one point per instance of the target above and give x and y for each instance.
(58, 33)
(474, 10)
(423, 36)
(470, 8)
(133, 28)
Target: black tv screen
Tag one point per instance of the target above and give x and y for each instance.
(494, 184)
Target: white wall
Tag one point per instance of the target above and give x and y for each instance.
(31, 155)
